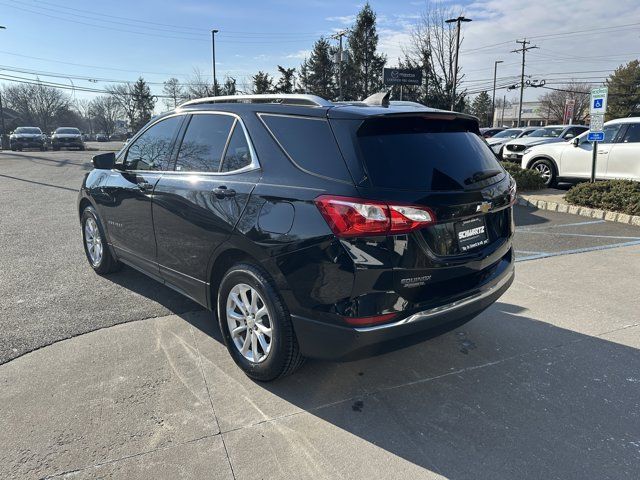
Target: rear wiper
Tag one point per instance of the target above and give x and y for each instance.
(479, 176)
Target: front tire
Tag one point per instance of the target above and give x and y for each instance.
(546, 170)
(256, 325)
(95, 243)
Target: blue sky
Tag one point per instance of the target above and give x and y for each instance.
(118, 40)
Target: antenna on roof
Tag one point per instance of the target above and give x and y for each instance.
(380, 99)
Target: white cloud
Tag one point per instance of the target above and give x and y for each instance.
(343, 19)
(300, 54)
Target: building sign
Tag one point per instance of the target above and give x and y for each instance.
(402, 76)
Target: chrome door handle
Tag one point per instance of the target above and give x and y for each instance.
(603, 151)
(145, 186)
(224, 192)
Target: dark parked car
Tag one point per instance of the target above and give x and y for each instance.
(101, 137)
(27, 137)
(489, 132)
(313, 229)
(67, 137)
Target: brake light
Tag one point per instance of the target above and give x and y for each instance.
(355, 217)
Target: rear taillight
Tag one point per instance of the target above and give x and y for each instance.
(356, 217)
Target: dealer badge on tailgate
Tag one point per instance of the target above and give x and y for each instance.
(471, 234)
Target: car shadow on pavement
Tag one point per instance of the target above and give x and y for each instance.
(525, 216)
(504, 396)
(141, 284)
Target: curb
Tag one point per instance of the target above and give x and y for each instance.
(583, 211)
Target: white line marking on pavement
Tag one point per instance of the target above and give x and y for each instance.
(536, 227)
(577, 250)
(565, 234)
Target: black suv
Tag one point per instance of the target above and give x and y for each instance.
(314, 229)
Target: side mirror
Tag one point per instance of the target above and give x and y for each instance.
(576, 142)
(104, 161)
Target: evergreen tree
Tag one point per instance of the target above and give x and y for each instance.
(362, 73)
(143, 103)
(262, 82)
(624, 91)
(287, 80)
(303, 78)
(481, 108)
(320, 79)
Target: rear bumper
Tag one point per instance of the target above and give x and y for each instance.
(336, 342)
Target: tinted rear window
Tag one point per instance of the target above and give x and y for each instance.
(309, 143)
(421, 153)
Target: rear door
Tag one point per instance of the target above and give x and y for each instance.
(126, 201)
(624, 154)
(198, 204)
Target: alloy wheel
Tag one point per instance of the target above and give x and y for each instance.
(93, 241)
(249, 323)
(544, 171)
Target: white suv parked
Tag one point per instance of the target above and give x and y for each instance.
(618, 155)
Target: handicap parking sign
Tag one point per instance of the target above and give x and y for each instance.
(599, 100)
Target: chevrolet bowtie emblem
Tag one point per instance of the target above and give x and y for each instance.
(484, 207)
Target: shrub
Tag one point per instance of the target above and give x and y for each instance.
(617, 195)
(525, 179)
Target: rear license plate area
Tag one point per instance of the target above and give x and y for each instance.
(471, 234)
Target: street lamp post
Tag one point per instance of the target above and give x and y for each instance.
(458, 21)
(213, 45)
(493, 99)
(2, 27)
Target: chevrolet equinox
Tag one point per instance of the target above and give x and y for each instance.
(313, 229)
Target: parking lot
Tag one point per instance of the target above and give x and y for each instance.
(544, 384)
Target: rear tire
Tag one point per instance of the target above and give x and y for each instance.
(95, 243)
(546, 169)
(249, 306)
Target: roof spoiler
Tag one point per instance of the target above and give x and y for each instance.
(380, 99)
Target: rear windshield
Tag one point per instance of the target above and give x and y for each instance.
(68, 131)
(423, 153)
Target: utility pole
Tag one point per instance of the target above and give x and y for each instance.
(524, 50)
(339, 36)
(493, 99)
(213, 45)
(504, 102)
(458, 21)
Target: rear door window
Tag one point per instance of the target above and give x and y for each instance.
(309, 143)
(238, 154)
(426, 154)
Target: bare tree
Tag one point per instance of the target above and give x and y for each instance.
(37, 104)
(198, 86)
(432, 49)
(105, 110)
(553, 102)
(174, 91)
(123, 96)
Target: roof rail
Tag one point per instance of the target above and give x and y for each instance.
(281, 98)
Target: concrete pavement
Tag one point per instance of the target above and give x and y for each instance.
(544, 384)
